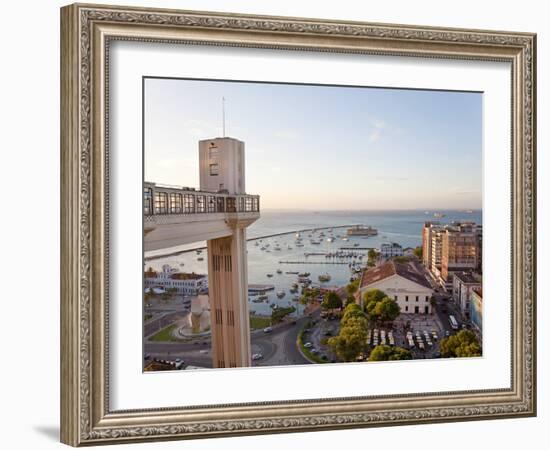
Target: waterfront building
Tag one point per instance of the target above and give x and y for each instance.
(476, 308)
(390, 250)
(463, 284)
(460, 250)
(451, 248)
(427, 246)
(170, 278)
(403, 282)
(219, 212)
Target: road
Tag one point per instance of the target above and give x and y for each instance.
(277, 348)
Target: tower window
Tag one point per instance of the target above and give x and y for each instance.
(214, 169)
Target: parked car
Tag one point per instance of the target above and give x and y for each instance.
(257, 356)
(268, 330)
(308, 345)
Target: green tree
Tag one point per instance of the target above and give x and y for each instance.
(373, 295)
(277, 315)
(387, 353)
(350, 300)
(372, 254)
(418, 252)
(464, 344)
(351, 341)
(386, 310)
(331, 301)
(352, 287)
(352, 311)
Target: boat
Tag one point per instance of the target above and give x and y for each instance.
(291, 273)
(324, 278)
(296, 298)
(356, 244)
(263, 248)
(262, 297)
(200, 259)
(299, 245)
(345, 239)
(279, 271)
(359, 230)
(258, 299)
(182, 264)
(304, 274)
(330, 239)
(269, 275)
(281, 294)
(199, 252)
(312, 242)
(439, 215)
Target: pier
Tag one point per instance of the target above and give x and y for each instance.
(314, 262)
(254, 289)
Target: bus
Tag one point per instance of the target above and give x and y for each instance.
(454, 323)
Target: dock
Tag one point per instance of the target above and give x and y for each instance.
(254, 289)
(315, 262)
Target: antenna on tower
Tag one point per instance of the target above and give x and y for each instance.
(223, 115)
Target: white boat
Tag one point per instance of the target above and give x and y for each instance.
(324, 278)
(330, 239)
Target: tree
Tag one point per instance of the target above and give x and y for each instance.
(387, 353)
(351, 341)
(418, 252)
(373, 295)
(352, 287)
(372, 254)
(279, 314)
(350, 300)
(386, 310)
(352, 311)
(331, 301)
(464, 344)
(379, 306)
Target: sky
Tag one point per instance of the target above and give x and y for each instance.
(323, 147)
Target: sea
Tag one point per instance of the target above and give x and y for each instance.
(279, 229)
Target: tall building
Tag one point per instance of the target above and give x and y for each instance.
(427, 236)
(222, 165)
(459, 250)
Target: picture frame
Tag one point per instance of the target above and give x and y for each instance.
(87, 31)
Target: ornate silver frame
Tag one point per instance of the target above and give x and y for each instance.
(86, 31)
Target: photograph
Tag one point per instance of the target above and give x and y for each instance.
(293, 224)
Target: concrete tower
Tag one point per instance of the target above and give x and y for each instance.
(222, 171)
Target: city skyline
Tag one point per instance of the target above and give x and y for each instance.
(324, 147)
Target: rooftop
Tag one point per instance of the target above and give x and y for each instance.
(467, 277)
(405, 270)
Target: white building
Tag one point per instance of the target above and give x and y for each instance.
(463, 285)
(390, 250)
(169, 278)
(404, 283)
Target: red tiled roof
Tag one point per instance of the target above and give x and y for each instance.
(391, 268)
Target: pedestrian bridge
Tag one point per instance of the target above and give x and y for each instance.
(174, 215)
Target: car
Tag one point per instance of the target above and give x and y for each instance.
(268, 330)
(308, 345)
(257, 356)
(203, 351)
(146, 356)
(314, 351)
